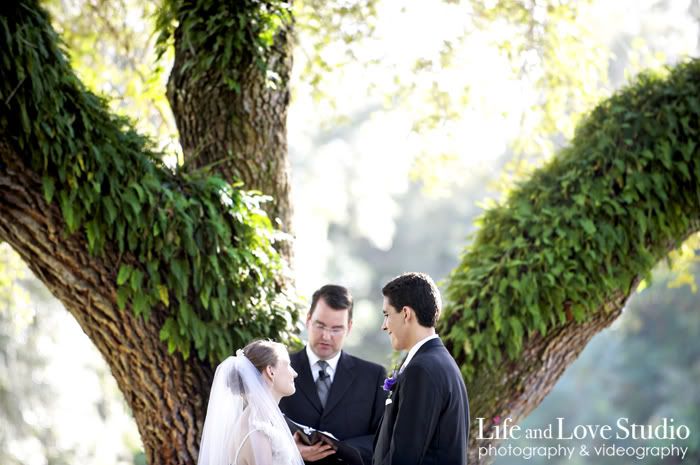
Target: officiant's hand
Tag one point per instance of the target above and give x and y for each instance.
(313, 452)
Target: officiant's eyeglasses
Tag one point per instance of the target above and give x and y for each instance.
(320, 327)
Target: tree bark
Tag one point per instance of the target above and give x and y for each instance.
(242, 135)
(166, 394)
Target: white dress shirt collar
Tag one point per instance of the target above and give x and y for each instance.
(313, 360)
(414, 349)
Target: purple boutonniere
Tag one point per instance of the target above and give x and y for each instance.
(390, 382)
(389, 385)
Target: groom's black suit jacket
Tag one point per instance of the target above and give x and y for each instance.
(354, 406)
(427, 421)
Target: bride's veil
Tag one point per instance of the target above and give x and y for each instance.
(240, 402)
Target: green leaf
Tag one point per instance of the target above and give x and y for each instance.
(122, 297)
(204, 295)
(181, 271)
(136, 278)
(49, 188)
(124, 273)
(215, 309)
(110, 208)
(496, 315)
(588, 226)
(163, 295)
(131, 199)
(579, 313)
(67, 210)
(92, 229)
(167, 329)
(139, 191)
(516, 327)
(140, 304)
(185, 315)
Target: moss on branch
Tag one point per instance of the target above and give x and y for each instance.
(584, 226)
(225, 36)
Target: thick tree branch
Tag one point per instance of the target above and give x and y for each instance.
(166, 394)
(515, 388)
(555, 264)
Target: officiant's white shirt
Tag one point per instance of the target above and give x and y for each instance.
(313, 363)
(414, 349)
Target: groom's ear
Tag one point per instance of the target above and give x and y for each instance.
(409, 313)
(406, 313)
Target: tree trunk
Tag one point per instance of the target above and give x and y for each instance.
(242, 134)
(167, 395)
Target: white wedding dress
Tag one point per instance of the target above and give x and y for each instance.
(264, 443)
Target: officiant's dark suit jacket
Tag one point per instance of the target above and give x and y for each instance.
(354, 406)
(427, 421)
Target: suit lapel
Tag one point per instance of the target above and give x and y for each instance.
(382, 437)
(305, 380)
(344, 375)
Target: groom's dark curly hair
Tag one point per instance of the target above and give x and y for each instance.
(418, 291)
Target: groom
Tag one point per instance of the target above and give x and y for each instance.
(426, 418)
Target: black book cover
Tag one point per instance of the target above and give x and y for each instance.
(344, 453)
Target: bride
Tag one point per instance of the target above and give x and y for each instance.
(244, 425)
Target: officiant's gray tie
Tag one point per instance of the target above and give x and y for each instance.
(323, 383)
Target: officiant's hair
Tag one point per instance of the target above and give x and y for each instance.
(418, 291)
(261, 353)
(337, 297)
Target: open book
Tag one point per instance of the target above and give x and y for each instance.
(344, 453)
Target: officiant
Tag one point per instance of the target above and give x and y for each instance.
(336, 392)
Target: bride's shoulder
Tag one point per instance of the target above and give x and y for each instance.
(266, 428)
